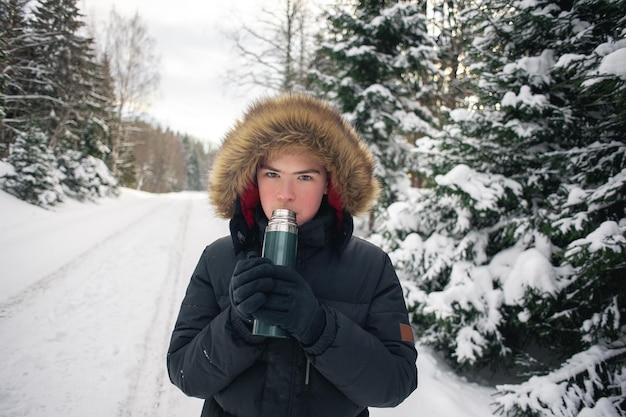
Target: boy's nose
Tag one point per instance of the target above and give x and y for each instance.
(286, 192)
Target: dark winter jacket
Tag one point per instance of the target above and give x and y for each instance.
(365, 355)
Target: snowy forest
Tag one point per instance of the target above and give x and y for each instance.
(71, 124)
(499, 128)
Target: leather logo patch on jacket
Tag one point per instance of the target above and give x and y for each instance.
(406, 333)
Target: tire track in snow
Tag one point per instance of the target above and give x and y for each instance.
(204, 227)
(150, 376)
(40, 247)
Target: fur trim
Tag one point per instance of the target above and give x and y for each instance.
(289, 122)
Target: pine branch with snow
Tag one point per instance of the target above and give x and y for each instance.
(571, 391)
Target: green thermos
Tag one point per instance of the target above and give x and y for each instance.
(280, 244)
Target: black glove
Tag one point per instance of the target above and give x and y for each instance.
(291, 304)
(248, 285)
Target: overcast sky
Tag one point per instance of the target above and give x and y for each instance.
(193, 95)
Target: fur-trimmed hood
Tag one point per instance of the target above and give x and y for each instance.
(293, 121)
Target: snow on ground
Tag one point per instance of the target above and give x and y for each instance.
(88, 296)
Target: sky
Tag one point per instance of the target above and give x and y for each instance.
(86, 324)
(193, 96)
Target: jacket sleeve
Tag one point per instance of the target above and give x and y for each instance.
(373, 365)
(208, 348)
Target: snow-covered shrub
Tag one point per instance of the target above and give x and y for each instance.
(35, 178)
(84, 176)
(39, 177)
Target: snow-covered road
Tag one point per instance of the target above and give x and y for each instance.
(88, 296)
(86, 317)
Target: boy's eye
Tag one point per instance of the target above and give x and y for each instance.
(271, 174)
(306, 177)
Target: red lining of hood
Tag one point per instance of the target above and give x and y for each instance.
(334, 200)
(250, 199)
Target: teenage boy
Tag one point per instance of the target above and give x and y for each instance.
(350, 345)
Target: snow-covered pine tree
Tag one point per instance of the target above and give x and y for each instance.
(97, 121)
(35, 178)
(377, 64)
(53, 82)
(194, 172)
(16, 65)
(69, 72)
(517, 254)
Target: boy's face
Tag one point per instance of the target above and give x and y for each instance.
(294, 181)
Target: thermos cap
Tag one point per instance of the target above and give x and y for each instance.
(283, 220)
(284, 214)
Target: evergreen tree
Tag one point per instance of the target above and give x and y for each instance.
(198, 161)
(16, 66)
(68, 79)
(516, 252)
(102, 123)
(377, 64)
(100, 119)
(35, 178)
(192, 164)
(52, 83)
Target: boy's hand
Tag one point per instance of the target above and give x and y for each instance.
(248, 285)
(290, 304)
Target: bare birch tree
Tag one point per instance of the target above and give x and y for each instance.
(134, 67)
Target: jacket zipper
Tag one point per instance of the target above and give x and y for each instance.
(307, 372)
